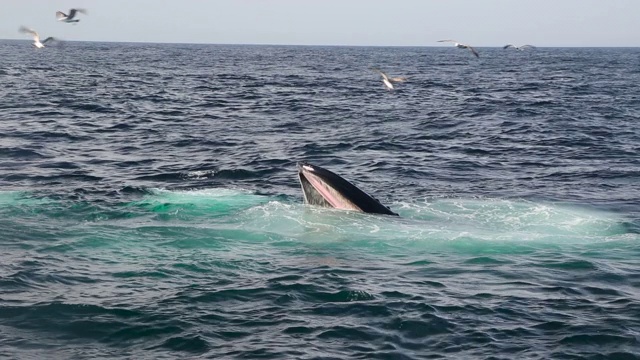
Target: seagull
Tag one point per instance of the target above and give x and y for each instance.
(521, 47)
(69, 18)
(462, 46)
(388, 81)
(36, 37)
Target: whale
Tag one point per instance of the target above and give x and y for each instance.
(322, 187)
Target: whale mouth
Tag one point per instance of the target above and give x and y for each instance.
(322, 187)
(320, 191)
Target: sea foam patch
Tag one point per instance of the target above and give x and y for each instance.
(433, 221)
(510, 219)
(475, 220)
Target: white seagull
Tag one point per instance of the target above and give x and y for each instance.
(388, 81)
(36, 38)
(521, 47)
(462, 46)
(69, 18)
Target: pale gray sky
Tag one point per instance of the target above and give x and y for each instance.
(334, 22)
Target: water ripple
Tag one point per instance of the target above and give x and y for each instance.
(150, 207)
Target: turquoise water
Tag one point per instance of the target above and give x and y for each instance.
(206, 270)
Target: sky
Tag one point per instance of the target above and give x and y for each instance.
(334, 22)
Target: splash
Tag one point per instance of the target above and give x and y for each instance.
(440, 220)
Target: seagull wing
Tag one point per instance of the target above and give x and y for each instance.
(60, 15)
(73, 12)
(527, 46)
(448, 40)
(508, 46)
(49, 39)
(384, 76)
(26, 30)
(473, 51)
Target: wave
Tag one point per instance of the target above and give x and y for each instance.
(15, 198)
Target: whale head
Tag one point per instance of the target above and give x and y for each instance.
(324, 188)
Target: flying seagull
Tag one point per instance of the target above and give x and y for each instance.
(36, 38)
(69, 18)
(521, 47)
(462, 46)
(388, 81)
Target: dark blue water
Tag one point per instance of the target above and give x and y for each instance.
(149, 205)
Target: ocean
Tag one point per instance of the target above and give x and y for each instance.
(150, 206)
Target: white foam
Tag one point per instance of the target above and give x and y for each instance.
(429, 221)
(200, 174)
(443, 220)
(509, 219)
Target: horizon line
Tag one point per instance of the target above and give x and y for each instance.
(323, 45)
